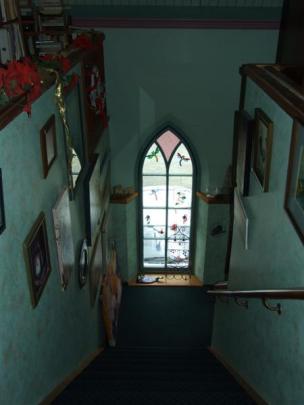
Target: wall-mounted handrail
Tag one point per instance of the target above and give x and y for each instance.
(283, 294)
(264, 295)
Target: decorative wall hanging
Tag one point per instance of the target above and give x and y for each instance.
(294, 196)
(48, 144)
(244, 130)
(2, 213)
(93, 203)
(64, 237)
(83, 263)
(241, 221)
(37, 258)
(262, 147)
(73, 160)
(96, 263)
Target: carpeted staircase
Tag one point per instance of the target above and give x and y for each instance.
(161, 374)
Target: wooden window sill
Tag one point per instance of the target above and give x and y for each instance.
(169, 281)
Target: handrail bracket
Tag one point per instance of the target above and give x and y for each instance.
(270, 307)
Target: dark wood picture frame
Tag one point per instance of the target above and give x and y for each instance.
(92, 200)
(37, 258)
(48, 144)
(263, 133)
(245, 128)
(294, 195)
(2, 212)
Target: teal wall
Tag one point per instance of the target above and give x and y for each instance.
(123, 233)
(38, 347)
(188, 78)
(267, 349)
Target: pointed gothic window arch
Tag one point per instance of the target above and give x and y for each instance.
(167, 174)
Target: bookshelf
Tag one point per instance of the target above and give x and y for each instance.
(12, 45)
(53, 28)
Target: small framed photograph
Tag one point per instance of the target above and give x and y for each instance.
(262, 148)
(244, 130)
(294, 196)
(2, 214)
(48, 144)
(37, 258)
(64, 237)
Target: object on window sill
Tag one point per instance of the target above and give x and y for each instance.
(148, 279)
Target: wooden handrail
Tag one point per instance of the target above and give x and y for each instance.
(283, 294)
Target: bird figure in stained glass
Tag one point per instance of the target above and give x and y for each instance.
(182, 158)
(154, 192)
(180, 198)
(185, 218)
(153, 154)
(148, 219)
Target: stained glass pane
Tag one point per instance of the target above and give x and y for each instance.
(154, 191)
(154, 253)
(178, 232)
(178, 254)
(168, 142)
(179, 217)
(181, 162)
(180, 191)
(154, 162)
(154, 232)
(155, 218)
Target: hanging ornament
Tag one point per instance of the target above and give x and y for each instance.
(72, 157)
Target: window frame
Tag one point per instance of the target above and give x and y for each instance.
(182, 140)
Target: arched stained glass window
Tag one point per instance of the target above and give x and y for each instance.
(166, 197)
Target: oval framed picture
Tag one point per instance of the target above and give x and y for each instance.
(83, 263)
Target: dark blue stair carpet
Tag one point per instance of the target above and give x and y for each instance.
(164, 376)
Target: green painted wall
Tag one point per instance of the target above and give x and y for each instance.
(267, 349)
(188, 78)
(123, 233)
(38, 347)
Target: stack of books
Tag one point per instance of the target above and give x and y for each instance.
(48, 46)
(8, 10)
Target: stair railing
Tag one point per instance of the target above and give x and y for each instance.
(241, 297)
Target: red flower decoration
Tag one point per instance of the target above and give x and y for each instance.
(20, 77)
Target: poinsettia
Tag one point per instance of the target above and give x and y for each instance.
(19, 77)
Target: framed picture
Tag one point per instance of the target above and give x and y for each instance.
(64, 237)
(48, 144)
(294, 196)
(244, 128)
(83, 265)
(75, 149)
(2, 214)
(95, 270)
(93, 202)
(37, 258)
(241, 221)
(262, 147)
